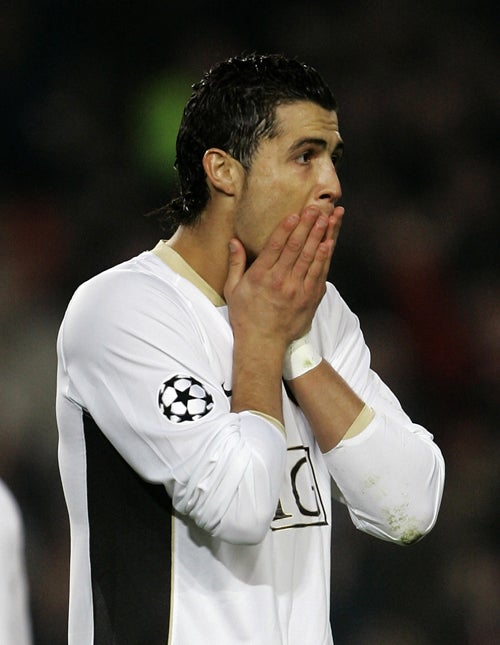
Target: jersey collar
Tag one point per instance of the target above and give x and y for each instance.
(178, 264)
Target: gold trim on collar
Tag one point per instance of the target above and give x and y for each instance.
(178, 264)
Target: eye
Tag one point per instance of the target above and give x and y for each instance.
(305, 157)
(337, 156)
(337, 159)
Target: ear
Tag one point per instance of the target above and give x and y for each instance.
(223, 171)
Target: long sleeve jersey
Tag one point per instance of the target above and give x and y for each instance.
(191, 524)
(15, 619)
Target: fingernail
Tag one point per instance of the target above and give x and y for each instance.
(232, 247)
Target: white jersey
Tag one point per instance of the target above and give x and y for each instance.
(15, 621)
(194, 525)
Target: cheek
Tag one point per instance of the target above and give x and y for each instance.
(266, 201)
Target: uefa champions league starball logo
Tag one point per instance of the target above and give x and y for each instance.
(183, 398)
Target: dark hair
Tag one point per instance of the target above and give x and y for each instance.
(232, 108)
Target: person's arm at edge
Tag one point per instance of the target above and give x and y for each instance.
(399, 456)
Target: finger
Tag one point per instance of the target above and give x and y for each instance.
(273, 248)
(318, 269)
(294, 246)
(317, 234)
(237, 265)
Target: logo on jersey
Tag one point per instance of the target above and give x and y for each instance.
(300, 502)
(182, 399)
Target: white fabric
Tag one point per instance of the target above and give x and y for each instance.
(391, 475)
(15, 623)
(300, 357)
(248, 573)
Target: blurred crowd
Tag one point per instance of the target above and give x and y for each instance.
(91, 102)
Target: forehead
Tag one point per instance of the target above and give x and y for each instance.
(306, 119)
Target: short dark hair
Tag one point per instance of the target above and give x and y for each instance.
(232, 108)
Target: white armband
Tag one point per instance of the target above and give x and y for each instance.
(300, 357)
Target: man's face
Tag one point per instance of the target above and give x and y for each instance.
(289, 172)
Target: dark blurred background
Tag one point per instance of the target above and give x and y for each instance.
(91, 98)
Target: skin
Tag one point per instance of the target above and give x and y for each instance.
(265, 241)
(289, 173)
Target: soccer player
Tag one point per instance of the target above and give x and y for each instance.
(213, 391)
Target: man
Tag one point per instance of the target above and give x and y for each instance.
(213, 391)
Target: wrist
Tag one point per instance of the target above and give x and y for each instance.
(300, 357)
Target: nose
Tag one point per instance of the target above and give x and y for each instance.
(329, 188)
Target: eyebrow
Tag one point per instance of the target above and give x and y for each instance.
(316, 142)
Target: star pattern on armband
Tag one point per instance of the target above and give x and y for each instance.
(183, 398)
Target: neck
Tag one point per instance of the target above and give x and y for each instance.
(205, 248)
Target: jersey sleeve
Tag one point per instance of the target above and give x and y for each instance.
(15, 623)
(135, 359)
(390, 475)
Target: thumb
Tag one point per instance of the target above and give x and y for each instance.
(237, 266)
